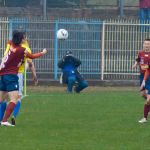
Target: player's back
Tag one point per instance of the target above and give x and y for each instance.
(12, 60)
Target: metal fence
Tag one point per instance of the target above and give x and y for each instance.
(122, 39)
(107, 49)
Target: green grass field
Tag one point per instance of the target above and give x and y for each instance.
(98, 119)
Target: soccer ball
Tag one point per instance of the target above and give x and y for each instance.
(62, 34)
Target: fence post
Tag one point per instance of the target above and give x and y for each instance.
(121, 7)
(44, 8)
(56, 51)
(102, 53)
(10, 29)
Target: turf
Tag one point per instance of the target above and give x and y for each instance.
(93, 120)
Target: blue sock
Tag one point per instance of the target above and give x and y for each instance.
(16, 109)
(2, 109)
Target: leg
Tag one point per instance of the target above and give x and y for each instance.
(148, 14)
(148, 18)
(10, 107)
(18, 104)
(71, 82)
(81, 85)
(146, 109)
(3, 96)
(142, 15)
(143, 94)
(142, 19)
(10, 82)
(3, 104)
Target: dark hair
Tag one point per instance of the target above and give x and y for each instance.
(147, 40)
(17, 37)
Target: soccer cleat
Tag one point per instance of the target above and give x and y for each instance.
(6, 124)
(143, 120)
(13, 121)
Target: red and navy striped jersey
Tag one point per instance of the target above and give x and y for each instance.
(144, 60)
(11, 62)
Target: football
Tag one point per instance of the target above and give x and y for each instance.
(62, 34)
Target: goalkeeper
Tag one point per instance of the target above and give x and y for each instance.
(70, 75)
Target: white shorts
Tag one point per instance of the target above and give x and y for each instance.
(20, 80)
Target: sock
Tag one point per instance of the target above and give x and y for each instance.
(2, 109)
(9, 110)
(16, 109)
(146, 110)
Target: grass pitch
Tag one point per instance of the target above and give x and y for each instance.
(97, 119)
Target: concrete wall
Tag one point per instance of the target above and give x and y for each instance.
(101, 13)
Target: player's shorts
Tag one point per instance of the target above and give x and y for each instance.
(20, 76)
(9, 83)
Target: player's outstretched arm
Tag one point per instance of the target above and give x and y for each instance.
(35, 55)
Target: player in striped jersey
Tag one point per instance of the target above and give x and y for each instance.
(24, 44)
(146, 84)
(9, 70)
(142, 60)
(21, 80)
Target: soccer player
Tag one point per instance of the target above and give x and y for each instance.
(24, 44)
(9, 70)
(142, 60)
(146, 84)
(20, 76)
(71, 76)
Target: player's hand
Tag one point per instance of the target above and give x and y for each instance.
(142, 85)
(44, 51)
(134, 66)
(25, 52)
(35, 80)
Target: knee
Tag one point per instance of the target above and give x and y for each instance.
(144, 95)
(14, 98)
(84, 84)
(14, 101)
(148, 100)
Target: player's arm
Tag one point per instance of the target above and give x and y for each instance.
(77, 62)
(61, 63)
(137, 60)
(135, 64)
(5, 55)
(35, 55)
(7, 48)
(33, 71)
